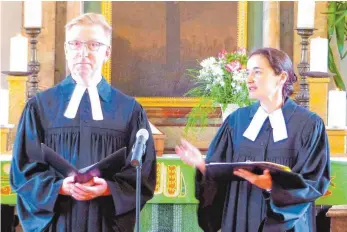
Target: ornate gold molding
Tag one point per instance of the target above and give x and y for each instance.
(106, 9)
(17, 91)
(242, 8)
(169, 101)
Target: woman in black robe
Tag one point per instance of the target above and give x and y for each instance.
(264, 202)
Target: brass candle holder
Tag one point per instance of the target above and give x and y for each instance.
(303, 96)
(34, 64)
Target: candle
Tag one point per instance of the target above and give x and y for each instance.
(319, 55)
(19, 54)
(306, 14)
(337, 109)
(32, 14)
(4, 106)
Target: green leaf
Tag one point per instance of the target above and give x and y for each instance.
(344, 55)
(197, 119)
(333, 68)
(333, 12)
(340, 32)
(331, 18)
(340, 16)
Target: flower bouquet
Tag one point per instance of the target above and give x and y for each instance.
(220, 81)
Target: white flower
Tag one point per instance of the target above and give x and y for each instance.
(240, 76)
(208, 62)
(216, 70)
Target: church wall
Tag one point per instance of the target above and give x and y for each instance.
(46, 45)
(10, 12)
(286, 27)
(343, 67)
(255, 25)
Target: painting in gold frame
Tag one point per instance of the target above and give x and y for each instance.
(113, 14)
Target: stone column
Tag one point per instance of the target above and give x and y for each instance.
(46, 45)
(74, 9)
(271, 24)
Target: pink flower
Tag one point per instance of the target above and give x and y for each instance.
(241, 51)
(221, 54)
(233, 66)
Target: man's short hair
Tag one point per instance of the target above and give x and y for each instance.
(91, 19)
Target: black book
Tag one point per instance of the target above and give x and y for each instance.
(279, 173)
(256, 167)
(105, 168)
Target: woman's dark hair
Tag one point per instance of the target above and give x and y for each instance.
(279, 62)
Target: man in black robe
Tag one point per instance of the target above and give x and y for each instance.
(83, 119)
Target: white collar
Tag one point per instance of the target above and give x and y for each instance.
(76, 98)
(276, 120)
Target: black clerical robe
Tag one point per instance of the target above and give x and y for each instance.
(82, 141)
(239, 206)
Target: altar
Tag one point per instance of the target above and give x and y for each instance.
(173, 207)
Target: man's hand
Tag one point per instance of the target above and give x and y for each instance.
(263, 181)
(67, 185)
(88, 191)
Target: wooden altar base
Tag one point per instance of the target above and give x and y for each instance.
(338, 216)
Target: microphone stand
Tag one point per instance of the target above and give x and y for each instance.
(136, 161)
(138, 164)
(138, 196)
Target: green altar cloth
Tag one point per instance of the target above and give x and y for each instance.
(173, 207)
(169, 218)
(175, 182)
(337, 192)
(7, 197)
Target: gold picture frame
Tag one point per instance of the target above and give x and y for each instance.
(242, 8)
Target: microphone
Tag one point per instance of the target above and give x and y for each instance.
(139, 147)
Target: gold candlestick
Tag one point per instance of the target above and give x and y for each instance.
(303, 95)
(34, 64)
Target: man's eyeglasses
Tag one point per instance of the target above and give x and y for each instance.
(91, 45)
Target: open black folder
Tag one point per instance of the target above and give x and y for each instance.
(279, 173)
(105, 168)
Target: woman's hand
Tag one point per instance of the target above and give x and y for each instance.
(263, 181)
(190, 155)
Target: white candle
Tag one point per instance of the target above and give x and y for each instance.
(4, 106)
(306, 10)
(337, 109)
(319, 55)
(32, 14)
(19, 54)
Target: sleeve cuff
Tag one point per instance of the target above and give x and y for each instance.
(267, 194)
